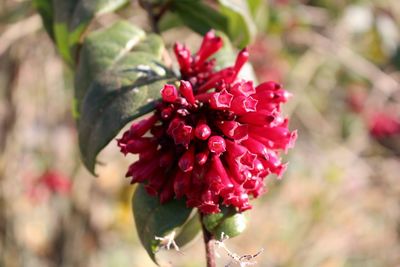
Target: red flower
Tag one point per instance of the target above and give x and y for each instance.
(382, 124)
(214, 139)
(49, 183)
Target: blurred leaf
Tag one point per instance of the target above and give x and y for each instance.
(241, 27)
(351, 125)
(198, 16)
(157, 2)
(66, 21)
(226, 57)
(260, 13)
(395, 60)
(228, 221)
(275, 22)
(45, 9)
(333, 7)
(118, 78)
(155, 220)
(371, 46)
(168, 21)
(254, 5)
(188, 231)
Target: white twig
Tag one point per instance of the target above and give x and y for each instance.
(167, 241)
(243, 261)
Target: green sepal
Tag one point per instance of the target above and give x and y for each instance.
(228, 222)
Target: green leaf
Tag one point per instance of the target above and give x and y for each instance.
(118, 78)
(62, 12)
(254, 6)
(66, 21)
(241, 27)
(155, 220)
(168, 21)
(199, 16)
(228, 222)
(84, 12)
(61, 39)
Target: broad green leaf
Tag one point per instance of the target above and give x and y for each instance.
(228, 222)
(241, 27)
(155, 220)
(62, 11)
(84, 12)
(152, 44)
(119, 76)
(100, 50)
(199, 16)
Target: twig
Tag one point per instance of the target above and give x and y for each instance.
(150, 14)
(162, 11)
(209, 245)
(244, 260)
(168, 241)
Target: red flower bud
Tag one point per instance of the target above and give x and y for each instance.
(241, 59)
(187, 91)
(186, 162)
(169, 93)
(202, 131)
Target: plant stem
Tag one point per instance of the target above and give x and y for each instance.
(210, 247)
(149, 9)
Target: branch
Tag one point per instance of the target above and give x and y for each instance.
(150, 14)
(209, 245)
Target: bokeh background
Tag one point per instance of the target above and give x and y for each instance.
(338, 204)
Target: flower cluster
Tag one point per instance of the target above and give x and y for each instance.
(213, 138)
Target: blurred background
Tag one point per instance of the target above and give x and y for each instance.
(338, 204)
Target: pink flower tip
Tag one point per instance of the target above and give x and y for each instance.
(221, 100)
(217, 144)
